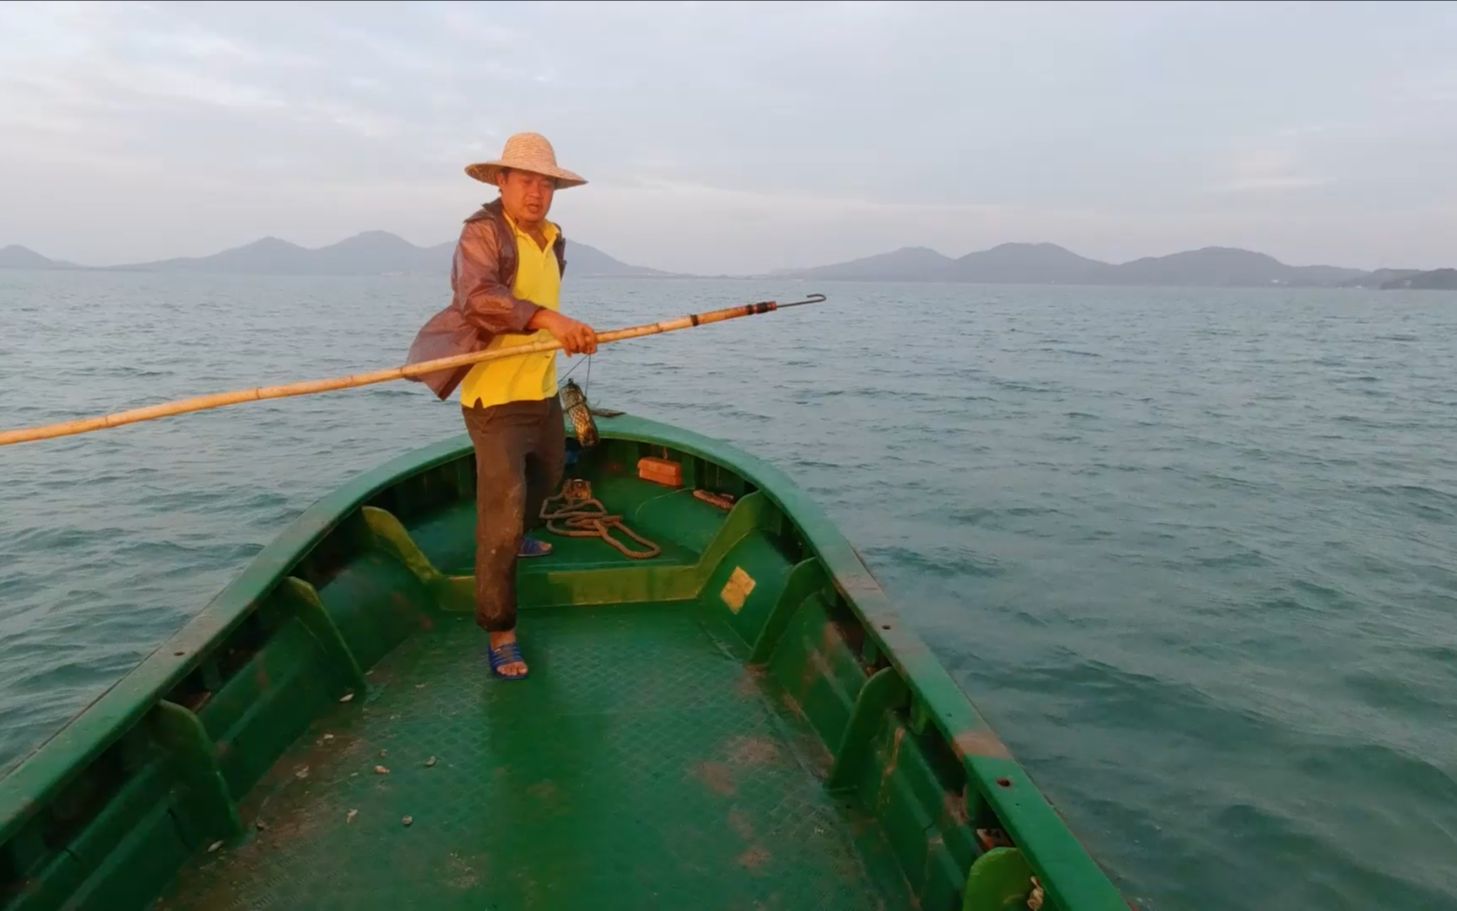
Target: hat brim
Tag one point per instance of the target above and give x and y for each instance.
(486, 171)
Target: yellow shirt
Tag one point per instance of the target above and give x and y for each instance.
(529, 377)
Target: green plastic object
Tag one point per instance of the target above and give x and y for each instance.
(1001, 879)
(741, 722)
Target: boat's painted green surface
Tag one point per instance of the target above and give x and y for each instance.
(741, 722)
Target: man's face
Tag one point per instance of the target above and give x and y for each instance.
(526, 196)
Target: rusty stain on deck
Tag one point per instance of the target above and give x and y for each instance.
(753, 751)
(754, 859)
(545, 791)
(751, 681)
(740, 823)
(717, 776)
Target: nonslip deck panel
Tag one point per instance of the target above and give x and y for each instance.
(672, 519)
(643, 765)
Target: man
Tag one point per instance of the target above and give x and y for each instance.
(506, 281)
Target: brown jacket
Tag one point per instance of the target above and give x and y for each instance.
(482, 305)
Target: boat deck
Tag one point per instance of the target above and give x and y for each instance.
(448, 536)
(641, 765)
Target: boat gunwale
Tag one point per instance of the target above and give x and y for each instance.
(1055, 853)
(30, 780)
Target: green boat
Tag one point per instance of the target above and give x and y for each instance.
(723, 712)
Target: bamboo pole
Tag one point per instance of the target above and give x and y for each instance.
(309, 387)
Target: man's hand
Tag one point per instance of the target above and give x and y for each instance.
(575, 337)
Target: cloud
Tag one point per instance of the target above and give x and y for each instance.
(809, 129)
(1271, 182)
(1270, 169)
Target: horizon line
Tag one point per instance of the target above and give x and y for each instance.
(761, 274)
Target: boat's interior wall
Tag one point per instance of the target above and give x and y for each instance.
(757, 570)
(109, 826)
(425, 492)
(124, 823)
(802, 632)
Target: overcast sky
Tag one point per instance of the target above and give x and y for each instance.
(734, 138)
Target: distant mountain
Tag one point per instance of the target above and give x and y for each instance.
(1008, 263)
(1041, 264)
(383, 253)
(271, 256)
(1377, 278)
(370, 253)
(18, 257)
(1049, 264)
(905, 264)
(583, 260)
(1436, 279)
(1226, 266)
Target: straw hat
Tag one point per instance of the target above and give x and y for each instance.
(526, 152)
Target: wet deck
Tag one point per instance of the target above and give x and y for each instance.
(640, 766)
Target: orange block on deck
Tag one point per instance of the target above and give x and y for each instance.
(660, 471)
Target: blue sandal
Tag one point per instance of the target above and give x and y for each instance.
(531, 547)
(507, 654)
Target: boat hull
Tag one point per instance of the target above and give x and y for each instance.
(743, 720)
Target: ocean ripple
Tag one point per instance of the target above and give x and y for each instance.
(1190, 551)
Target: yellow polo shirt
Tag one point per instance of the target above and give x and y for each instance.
(529, 377)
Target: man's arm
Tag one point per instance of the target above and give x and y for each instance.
(488, 304)
(484, 300)
(576, 337)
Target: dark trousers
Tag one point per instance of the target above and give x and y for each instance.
(520, 452)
